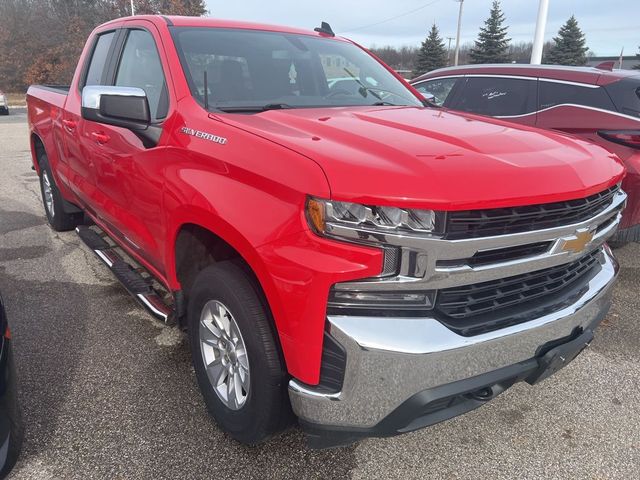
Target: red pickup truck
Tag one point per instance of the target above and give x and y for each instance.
(335, 248)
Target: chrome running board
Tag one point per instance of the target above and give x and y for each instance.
(139, 286)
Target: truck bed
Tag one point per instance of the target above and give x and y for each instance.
(64, 89)
(42, 95)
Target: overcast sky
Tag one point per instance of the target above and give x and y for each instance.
(608, 24)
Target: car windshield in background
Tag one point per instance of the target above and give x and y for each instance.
(256, 70)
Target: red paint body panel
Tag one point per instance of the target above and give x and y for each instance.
(428, 158)
(251, 191)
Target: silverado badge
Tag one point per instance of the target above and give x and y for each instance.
(204, 135)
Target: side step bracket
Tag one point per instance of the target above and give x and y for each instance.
(140, 287)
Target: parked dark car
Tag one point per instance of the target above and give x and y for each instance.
(11, 429)
(598, 105)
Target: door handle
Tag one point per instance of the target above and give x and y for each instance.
(69, 125)
(101, 138)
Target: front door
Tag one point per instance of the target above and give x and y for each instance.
(128, 175)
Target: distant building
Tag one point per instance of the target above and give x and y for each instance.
(628, 62)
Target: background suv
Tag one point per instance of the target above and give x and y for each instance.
(597, 105)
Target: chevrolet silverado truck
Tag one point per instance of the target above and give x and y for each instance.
(339, 252)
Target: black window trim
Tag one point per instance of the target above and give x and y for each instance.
(87, 62)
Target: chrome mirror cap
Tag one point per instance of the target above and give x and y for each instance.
(91, 95)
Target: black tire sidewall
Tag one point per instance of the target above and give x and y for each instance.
(44, 167)
(60, 221)
(267, 402)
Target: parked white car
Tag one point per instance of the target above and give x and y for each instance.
(4, 104)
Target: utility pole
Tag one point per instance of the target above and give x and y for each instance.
(133, 8)
(449, 50)
(457, 52)
(538, 39)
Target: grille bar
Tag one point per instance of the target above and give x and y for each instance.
(470, 304)
(504, 221)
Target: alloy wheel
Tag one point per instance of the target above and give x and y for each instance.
(224, 355)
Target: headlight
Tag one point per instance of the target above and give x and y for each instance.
(341, 219)
(371, 225)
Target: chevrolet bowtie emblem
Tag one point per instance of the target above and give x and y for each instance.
(577, 244)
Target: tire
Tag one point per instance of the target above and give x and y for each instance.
(16, 426)
(261, 408)
(53, 202)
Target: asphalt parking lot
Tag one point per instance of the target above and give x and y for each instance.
(109, 393)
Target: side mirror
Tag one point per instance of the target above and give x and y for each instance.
(430, 97)
(125, 107)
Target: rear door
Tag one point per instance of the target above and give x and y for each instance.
(129, 184)
(80, 172)
(506, 97)
(581, 110)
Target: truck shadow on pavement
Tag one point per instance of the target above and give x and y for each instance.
(102, 396)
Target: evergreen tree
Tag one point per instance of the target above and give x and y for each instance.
(569, 46)
(492, 45)
(432, 54)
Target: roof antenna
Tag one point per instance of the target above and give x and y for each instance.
(206, 91)
(325, 29)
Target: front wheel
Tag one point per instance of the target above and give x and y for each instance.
(235, 354)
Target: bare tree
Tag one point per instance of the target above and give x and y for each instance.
(41, 40)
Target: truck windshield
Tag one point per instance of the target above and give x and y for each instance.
(251, 70)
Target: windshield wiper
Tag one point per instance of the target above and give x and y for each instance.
(254, 108)
(384, 103)
(363, 90)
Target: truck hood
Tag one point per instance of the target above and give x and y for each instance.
(429, 158)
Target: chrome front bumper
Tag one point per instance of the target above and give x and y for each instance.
(391, 359)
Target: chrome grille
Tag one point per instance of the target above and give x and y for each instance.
(476, 308)
(505, 221)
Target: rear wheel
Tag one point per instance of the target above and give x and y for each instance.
(53, 202)
(236, 356)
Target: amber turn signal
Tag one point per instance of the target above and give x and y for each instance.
(316, 214)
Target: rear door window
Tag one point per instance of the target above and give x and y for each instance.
(99, 59)
(497, 96)
(552, 94)
(625, 94)
(437, 90)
